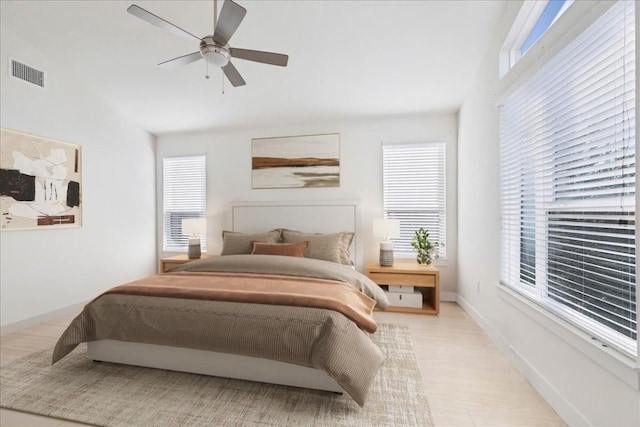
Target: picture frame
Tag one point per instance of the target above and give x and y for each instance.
(40, 182)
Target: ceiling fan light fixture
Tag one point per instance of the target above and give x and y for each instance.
(215, 55)
(216, 58)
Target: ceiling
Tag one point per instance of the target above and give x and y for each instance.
(347, 59)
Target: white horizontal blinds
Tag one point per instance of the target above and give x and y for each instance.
(184, 196)
(568, 181)
(414, 191)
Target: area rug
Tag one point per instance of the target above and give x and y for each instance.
(107, 394)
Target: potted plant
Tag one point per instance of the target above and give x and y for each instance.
(425, 249)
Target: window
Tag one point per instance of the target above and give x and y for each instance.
(414, 192)
(550, 14)
(184, 196)
(533, 20)
(567, 157)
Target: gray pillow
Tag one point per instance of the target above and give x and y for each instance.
(241, 244)
(328, 247)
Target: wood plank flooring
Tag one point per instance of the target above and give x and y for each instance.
(468, 381)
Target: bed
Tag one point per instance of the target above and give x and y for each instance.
(255, 315)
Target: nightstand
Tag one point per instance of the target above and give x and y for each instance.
(168, 263)
(425, 279)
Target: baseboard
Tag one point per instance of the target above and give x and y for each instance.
(10, 328)
(562, 406)
(487, 327)
(448, 296)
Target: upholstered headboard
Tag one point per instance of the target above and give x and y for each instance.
(310, 217)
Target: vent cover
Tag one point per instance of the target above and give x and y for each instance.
(27, 73)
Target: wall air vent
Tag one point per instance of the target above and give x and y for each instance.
(27, 73)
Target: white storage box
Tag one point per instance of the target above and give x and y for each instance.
(401, 299)
(401, 289)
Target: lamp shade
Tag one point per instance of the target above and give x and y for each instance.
(386, 227)
(193, 226)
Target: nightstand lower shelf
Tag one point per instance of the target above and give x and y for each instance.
(428, 305)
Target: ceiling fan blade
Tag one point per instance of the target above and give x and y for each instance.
(231, 16)
(260, 56)
(159, 22)
(233, 75)
(180, 61)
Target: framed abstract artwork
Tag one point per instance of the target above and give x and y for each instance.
(308, 161)
(40, 182)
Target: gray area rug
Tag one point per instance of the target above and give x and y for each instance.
(108, 394)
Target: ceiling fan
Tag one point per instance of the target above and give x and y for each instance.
(214, 48)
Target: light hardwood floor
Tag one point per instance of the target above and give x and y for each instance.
(468, 381)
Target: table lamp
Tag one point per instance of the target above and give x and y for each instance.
(386, 228)
(194, 227)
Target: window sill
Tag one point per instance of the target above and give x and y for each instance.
(625, 368)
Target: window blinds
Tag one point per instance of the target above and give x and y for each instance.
(567, 174)
(414, 192)
(184, 196)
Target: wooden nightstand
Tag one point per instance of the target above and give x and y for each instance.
(425, 279)
(168, 263)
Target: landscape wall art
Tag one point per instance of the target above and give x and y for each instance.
(308, 161)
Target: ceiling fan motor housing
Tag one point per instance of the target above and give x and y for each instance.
(214, 54)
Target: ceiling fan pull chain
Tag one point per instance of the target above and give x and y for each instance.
(222, 74)
(207, 75)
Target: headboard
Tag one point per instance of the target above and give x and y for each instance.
(311, 217)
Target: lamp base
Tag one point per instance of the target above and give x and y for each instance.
(386, 254)
(194, 248)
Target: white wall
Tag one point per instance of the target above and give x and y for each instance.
(586, 384)
(229, 172)
(47, 270)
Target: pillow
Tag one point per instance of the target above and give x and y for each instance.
(328, 247)
(242, 244)
(285, 249)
